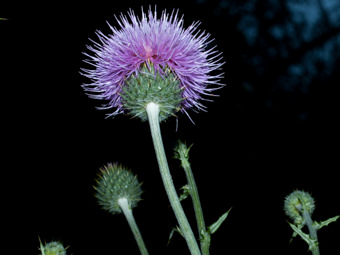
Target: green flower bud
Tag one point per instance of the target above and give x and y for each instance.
(182, 151)
(296, 203)
(52, 248)
(162, 88)
(116, 182)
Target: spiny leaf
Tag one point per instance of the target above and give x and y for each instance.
(186, 192)
(178, 230)
(299, 226)
(213, 227)
(326, 222)
(311, 242)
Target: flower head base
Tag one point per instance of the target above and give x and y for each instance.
(165, 47)
(116, 182)
(150, 86)
(52, 248)
(296, 203)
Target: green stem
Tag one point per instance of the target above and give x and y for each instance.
(152, 110)
(124, 205)
(203, 234)
(312, 232)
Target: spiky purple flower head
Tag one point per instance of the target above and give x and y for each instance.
(152, 47)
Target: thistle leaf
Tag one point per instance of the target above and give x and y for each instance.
(213, 227)
(326, 222)
(186, 192)
(178, 230)
(311, 242)
(299, 226)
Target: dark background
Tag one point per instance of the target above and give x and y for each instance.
(273, 129)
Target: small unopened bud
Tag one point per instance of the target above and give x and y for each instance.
(116, 182)
(52, 248)
(296, 203)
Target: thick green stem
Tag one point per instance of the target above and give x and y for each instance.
(123, 203)
(152, 110)
(203, 234)
(312, 232)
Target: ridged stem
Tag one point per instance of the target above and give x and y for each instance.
(203, 234)
(152, 110)
(123, 203)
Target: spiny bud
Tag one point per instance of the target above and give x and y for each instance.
(52, 248)
(182, 150)
(296, 203)
(151, 86)
(115, 182)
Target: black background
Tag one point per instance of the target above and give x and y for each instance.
(247, 154)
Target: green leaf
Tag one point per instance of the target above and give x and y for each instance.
(298, 231)
(213, 227)
(311, 242)
(186, 192)
(326, 222)
(299, 226)
(293, 236)
(178, 230)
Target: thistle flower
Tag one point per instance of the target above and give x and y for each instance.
(116, 182)
(152, 47)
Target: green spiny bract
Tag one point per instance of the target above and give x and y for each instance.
(116, 182)
(296, 203)
(52, 248)
(150, 86)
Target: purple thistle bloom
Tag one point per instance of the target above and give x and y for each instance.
(161, 43)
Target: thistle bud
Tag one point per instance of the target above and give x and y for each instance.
(52, 248)
(116, 182)
(296, 203)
